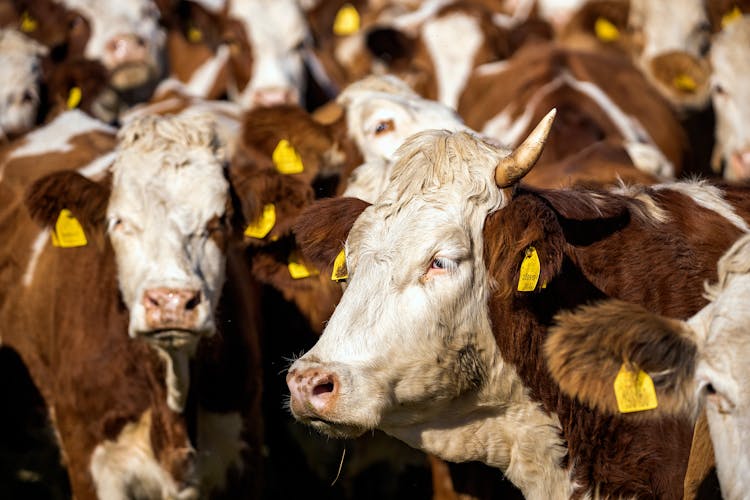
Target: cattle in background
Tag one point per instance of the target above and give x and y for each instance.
(504, 100)
(448, 341)
(694, 363)
(106, 408)
(731, 99)
(21, 73)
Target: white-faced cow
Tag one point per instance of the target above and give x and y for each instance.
(694, 363)
(454, 275)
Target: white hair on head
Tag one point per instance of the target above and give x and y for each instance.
(162, 133)
(15, 42)
(736, 260)
(388, 84)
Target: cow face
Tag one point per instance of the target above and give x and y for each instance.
(125, 37)
(165, 219)
(671, 40)
(411, 335)
(731, 99)
(276, 31)
(20, 71)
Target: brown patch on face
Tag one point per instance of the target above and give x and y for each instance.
(587, 347)
(240, 53)
(322, 228)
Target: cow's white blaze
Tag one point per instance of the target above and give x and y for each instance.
(410, 346)
(731, 99)
(20, 72)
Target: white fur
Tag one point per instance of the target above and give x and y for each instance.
(205, 77)
(710, 198)
(20, 72)
(36, 251)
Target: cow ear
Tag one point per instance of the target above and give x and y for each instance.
(267, 203)
(322, 228)
(527, 225)
(85, 199)
(586, 349)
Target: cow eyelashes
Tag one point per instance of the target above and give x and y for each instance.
(442, 264)
(384, 126)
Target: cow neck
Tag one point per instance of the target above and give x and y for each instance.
(520, 321)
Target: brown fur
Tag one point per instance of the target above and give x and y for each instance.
(579, 31)
(716, 9)
(90, 76)
(586, 348)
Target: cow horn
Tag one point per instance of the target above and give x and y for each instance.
(513, 167)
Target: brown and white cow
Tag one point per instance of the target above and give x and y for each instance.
(434, 342)
(731, 99)
(694, 363)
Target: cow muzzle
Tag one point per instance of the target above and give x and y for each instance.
(174, 316)
(130, 63)
(738, 167)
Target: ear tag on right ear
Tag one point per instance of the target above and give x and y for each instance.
(730, 17)
(261, 227)
(339, 272)
(286, 159)
(605, 30)
(194, 35)
(346, 21)
(634, 391)
(530, 270)
(74, 97)
(28, 23)
(68, 232)
(298, 269)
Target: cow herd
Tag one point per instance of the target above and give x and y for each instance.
(496, 247)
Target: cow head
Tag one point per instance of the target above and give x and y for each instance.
(411, 335)
(692, 363)
(166, 215)
(21, 72)
(731, 100)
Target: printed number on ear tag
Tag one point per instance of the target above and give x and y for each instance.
(530, 270)
(346, 21)
(286, 159)
(634, 391)
(261, 227)
(339, 272)
(68, 232)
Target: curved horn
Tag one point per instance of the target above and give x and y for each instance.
(513, 167)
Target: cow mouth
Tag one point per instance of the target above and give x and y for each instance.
(333, 429)
(172, 338)
(131, 76)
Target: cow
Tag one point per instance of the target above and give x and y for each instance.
(118, 404)
(692, 363)
(731, 100)
(436, 342)
(21, 67)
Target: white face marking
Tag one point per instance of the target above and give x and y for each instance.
(452, 42)
(276, 29)
(670, 25)
(205, 77)
(20, 72)
(731, 99)
(168, 183)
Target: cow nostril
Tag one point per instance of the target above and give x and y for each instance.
(193, 302)
(152, 301)
(322, 389)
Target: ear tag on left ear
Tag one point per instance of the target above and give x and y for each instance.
(684, 82)
(74, 97)
(28, 23)
(605, 30)
(530, 270)
(339, 272)
(68, 232)
(286, 159)
(730, 17)
(634, 391)
(261, 227)
(346, 21)
(194, 35)
(297, 269)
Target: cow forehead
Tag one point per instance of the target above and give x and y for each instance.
(276, 25)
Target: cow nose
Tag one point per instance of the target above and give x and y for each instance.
(171, 307)
(273, 96)
(124, 48)
(312, 391)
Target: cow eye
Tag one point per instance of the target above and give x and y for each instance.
(719, 90)
(384, 126)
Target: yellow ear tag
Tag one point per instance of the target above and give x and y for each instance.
(339, 267)
(346, 21)
(286, 159)
(730, 17)
(28, 23)
(261, 227)
(634, 391)
(685, 83)
(530, 269)
(74, 97)
(298, 270)
(194, 35)
(605, 30)
(68, 232)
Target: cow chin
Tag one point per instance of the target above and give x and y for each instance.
(133, 76)
(335, 430)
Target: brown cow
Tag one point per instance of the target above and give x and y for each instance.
(455, 274)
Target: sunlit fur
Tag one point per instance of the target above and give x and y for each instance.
(20, 72)
(731, 99)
